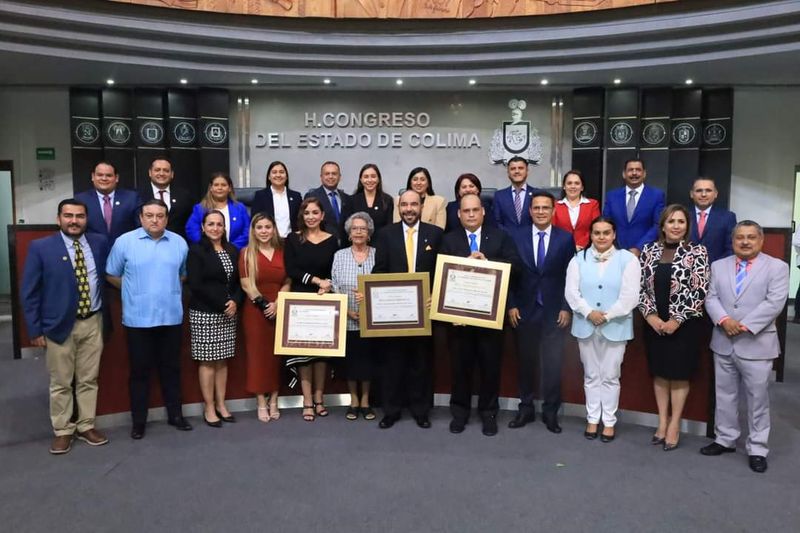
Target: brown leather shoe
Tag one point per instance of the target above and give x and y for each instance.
(61, 444)
(92, 437)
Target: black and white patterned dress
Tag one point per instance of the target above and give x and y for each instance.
(213, 334)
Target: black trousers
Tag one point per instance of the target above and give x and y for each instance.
(539, 350)
(473, 347)
(158, 347)
(407, 375)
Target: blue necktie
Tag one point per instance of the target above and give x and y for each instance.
(741, 274)
(473, 244)
(540, 255)
(335, 205)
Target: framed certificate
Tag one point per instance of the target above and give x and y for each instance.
(395, 305)
(311, 324)
(471, 292)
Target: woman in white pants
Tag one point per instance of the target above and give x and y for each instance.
(602, 289)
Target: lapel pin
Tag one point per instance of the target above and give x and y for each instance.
(174, 200)
(64, 258)
(116, 203)
(234, 219)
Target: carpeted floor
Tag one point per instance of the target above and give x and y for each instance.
(334, 475)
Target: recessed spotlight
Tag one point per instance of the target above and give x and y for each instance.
(689, 81)
(184, 81)
(254, 81)
(399, 82)
(473, 82)
(109, 81)
(617, 81)
(326, 81)
(544, 81)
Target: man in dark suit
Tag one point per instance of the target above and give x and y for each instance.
(334, 200)
(713, 225)
(511, 205)
(472, 345)
(634, 208)
(162, 186)
(62, 298)
(538, 311)
(407, 364)
(111, 211)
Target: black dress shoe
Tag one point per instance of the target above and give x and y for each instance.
(423, 421)
(457, 425)
(489, 426)
(591, 435)
(607, 438)
(388, 421)
(180, 423)
(137, 431)
(552, 425)
(228, 419)
(214, 424)
(522, 418)
(716, 449)
(758, 463)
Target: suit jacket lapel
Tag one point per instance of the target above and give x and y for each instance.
(755, 270)
(643, 198)
(527, 250)
(422, 243)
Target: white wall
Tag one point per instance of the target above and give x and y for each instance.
(31, 118)
(766, 150)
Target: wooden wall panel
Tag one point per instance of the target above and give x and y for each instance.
(391, 9)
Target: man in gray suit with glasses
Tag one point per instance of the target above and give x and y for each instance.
(748, 291)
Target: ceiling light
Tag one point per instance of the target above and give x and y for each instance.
(399, 82)
(544, 81)
(617, 81)
(689, 81)
(472, 82)
(254, 81)
(184, 81)
(326, 81)
(109, 81)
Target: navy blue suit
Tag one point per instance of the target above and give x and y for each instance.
(643, 227)
(717, 234)
(453, 223)
(124, 213)
(503, 212)
(538, 335)
(331, 225)
(49, 288)
(262, 203)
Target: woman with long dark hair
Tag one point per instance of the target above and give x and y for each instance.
(213, 278)
(433, 206)
(277, 200)
(602, 289)
(370, 198)
(574, 212)
(220, 196)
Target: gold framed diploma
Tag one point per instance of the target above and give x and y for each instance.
(394, 305)
(470, 292)
(311, 324)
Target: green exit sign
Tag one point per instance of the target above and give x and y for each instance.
(45, 154)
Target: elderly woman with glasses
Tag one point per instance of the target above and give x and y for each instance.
(348, 264)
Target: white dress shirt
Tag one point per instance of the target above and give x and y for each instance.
(574, 212)
(167, 197)
(280, 203)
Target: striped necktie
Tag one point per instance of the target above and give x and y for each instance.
(741, 275)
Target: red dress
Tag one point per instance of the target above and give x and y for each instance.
(263, 367)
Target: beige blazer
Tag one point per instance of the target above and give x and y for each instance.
(434, 210)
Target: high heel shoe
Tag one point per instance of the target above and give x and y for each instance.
(214, 424)
(668, 447)
(655, 440)
(229, 418)
(591, 435)
(308, 417)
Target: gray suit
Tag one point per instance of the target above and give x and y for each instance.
(746, 357)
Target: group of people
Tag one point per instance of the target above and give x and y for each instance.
(572, 267)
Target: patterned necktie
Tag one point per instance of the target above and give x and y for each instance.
(741, 275)
(410, 249)
(518, 204)
(473, 244)
(335, 205)
(107, 211)
(82, 278)
(701, 225)
(631, 204)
